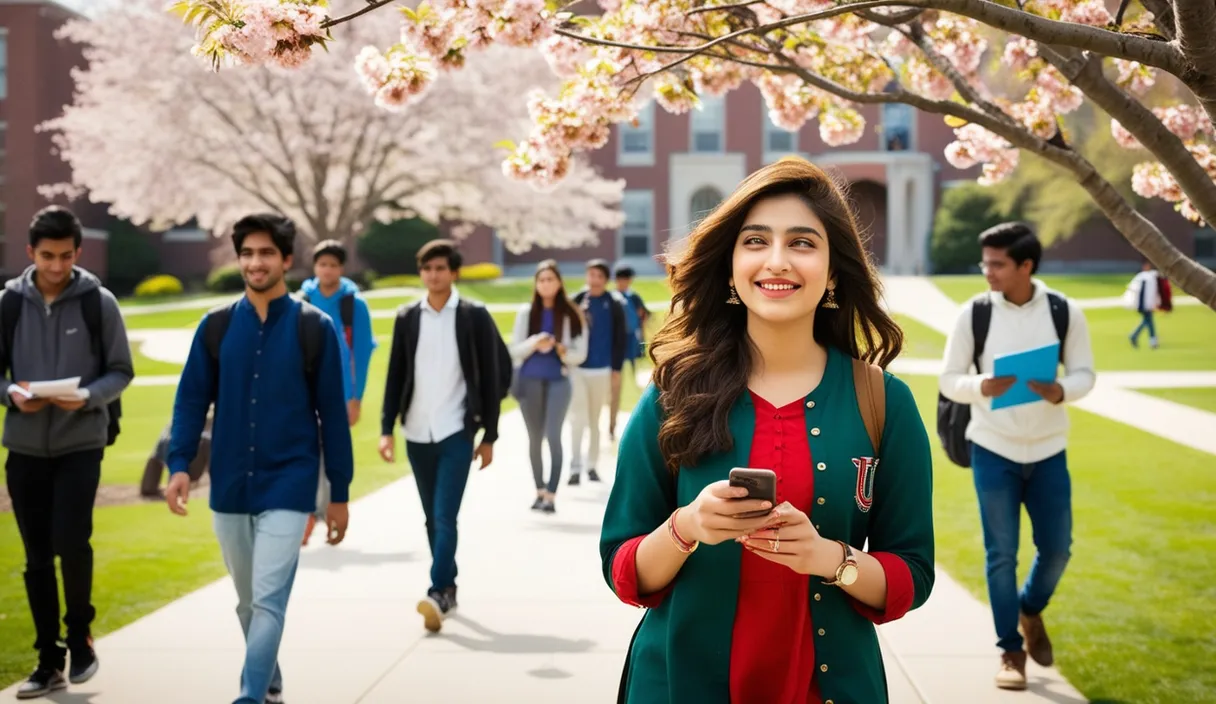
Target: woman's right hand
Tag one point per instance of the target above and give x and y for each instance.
(710, 518)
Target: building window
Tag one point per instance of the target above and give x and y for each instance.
(702, 203)
(636, 144)
(1205, 243)
(897, 122)
(3, 63)
(636, 234)
(778, 140)
(709, 125)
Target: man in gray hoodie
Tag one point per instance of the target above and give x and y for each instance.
(58, 322)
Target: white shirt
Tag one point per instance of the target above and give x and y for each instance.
(1034, 431)
(1145, 284)
(437, 405)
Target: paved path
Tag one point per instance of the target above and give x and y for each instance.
(536, 622)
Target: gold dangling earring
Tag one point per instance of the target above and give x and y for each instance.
(733, 299)
(829, 301)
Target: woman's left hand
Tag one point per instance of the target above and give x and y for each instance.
(791, 540)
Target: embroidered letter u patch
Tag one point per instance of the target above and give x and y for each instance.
(866, 467)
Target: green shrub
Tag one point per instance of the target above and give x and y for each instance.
(130, 258)
(965, 212)
(484, 271)
(225, 279)
(392, 248)
(160, 285)
(399, 281)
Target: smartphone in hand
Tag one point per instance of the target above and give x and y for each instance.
(760, 484)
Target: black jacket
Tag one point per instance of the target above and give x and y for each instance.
(620, 329)
(475, 333)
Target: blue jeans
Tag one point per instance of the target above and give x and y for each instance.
(261, 553)
(441, 470)
(1002, 486)
(1146, 323)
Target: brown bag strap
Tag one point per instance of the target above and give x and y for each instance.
(871, 399)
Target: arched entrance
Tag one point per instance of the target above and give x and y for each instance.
(703, 201)
(869, 200)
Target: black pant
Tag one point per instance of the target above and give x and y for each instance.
(53, 504)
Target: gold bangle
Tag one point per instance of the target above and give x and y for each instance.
(681, 544)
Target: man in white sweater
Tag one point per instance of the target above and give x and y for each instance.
(1018, 453)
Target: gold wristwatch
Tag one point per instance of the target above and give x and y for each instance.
(847, 573)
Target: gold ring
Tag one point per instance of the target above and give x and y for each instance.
(775, 545)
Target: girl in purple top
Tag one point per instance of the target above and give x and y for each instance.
(548, 339)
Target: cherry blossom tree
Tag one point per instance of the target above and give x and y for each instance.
(164, 140)
(1002, 73)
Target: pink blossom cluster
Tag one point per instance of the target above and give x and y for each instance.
(1134, 76)
(1019, 52)
(974, 145)
(395, 79)
(790, 101)
(928, 81)
(1152, 180)
(564, 54)
(1187, 122)
(841, 125)
(1090, 12)
(959, 41)
(271, 31)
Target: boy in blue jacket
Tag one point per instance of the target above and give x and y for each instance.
(339, 298)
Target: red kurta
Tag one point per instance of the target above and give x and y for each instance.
(772, 657)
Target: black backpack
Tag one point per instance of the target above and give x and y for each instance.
(953, 417)
(346, 310)
(505, 366)
(311, 331)
(90, 308)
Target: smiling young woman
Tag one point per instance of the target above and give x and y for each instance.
(765, 363)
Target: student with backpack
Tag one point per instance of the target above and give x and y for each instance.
(339, 298)
(593, 380)
(448, 372)
(1148, 292)
(635, 332)
(1017, 454)
(59, 322)
(272, 367)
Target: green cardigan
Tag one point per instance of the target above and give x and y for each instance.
(681, 652)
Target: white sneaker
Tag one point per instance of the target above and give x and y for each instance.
(1012, 674)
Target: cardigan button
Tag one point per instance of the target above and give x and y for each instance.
(821, 466)
(821, 501)
(822, 632)
(828, 702)
(823, 668)
(814, 431)
(810, 404)
(817, 597)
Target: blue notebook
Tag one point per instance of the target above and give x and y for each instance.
(1038, 364)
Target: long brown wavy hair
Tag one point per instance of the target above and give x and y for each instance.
(563, 309)
(703, 355)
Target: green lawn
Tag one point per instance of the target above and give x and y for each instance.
(1132, 620)
(961, 288)
(920, 340)
(1201, 398)
(1188, 340)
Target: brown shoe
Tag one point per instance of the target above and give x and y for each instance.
(1012, 674)
(1037, 642)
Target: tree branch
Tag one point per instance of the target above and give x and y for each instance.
(1195, 29)
(371, 5)
(1085, 72)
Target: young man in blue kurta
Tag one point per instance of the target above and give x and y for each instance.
(275, 409)
(339, 298)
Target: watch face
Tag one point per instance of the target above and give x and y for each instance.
(848, 574)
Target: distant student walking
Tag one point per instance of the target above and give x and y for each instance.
(1148, 292)
(607, 340)
(546, 342)
(442, 385)
(272, 366)
(340, 299)
(1018, 454)
(58, 322)
(635, 330)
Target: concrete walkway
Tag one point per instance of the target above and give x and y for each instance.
(536, 622)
